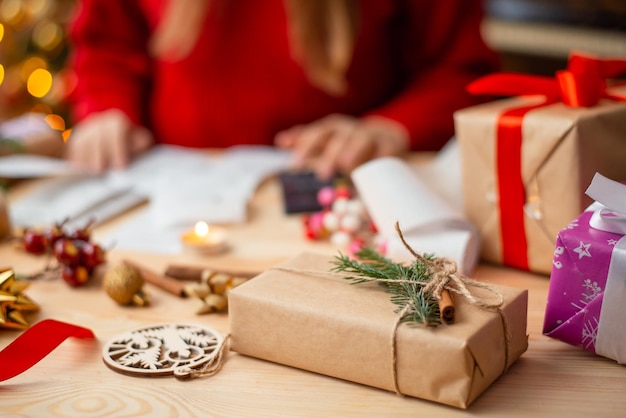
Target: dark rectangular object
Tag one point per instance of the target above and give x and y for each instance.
(300, 191)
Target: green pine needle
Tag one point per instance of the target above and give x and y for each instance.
(425, 309)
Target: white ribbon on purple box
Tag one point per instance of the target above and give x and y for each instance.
(610, 216)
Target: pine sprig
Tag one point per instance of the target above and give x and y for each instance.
(405, 283)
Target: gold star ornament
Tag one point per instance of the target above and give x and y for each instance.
(13, 303)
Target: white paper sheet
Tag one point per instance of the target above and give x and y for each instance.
(64, 198)
(182, 185)
(24, 126)
(217, 194)
(20, 166)
(392, 191)
(139, 234)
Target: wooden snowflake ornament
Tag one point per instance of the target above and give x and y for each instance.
(164, 349)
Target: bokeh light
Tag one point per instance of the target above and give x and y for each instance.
(38, 8)
(66, 134)
(12, 82)
(47, 35)
(55, 122)
(33, 52)
(41, 108)
(39, 82)
(31, 64)
(12, 12)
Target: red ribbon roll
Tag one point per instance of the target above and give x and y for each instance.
(35, 343)
(581, 85)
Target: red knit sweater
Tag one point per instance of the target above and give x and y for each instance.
(240, 85)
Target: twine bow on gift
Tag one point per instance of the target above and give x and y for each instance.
(444, 276)
(582, 84)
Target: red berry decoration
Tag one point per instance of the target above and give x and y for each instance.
(83, 233)
(75, 275)
(52, 235)
(66, 251)
(75, 254)
(92, 255)
(34, 242)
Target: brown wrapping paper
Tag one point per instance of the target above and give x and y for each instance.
(563, 147)
(330, 326)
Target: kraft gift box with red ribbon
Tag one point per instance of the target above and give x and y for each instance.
(526, 160)
(588, 281)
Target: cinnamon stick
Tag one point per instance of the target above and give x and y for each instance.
(446, 307)
(168, 284)
(191, 273)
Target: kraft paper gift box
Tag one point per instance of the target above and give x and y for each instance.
(527, 160)
(585, 305)
(327, 325)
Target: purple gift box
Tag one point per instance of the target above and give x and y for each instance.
(587, 292)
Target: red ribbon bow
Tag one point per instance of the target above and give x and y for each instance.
(582, 84)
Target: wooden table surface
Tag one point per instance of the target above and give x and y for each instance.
(551, 378)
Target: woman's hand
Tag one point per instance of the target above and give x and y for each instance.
(339, 143)
(106, 140)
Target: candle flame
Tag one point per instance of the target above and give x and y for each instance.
(201, 229)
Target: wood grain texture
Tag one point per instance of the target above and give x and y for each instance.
(551, 379)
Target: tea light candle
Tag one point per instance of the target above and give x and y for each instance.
(204, 239)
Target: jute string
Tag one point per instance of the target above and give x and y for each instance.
(444, 276)
(210, 368)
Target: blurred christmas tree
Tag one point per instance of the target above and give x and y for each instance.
(33, 53)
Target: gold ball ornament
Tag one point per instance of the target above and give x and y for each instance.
(124, 285)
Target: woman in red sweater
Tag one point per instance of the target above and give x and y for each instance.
(337, 81)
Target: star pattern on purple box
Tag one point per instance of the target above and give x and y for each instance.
(582, 257)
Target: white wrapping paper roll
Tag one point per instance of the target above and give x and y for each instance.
(391, 191)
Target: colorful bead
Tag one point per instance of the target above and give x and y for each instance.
(342, 191)
(326, 196)
(331, 221)
(340, 239)
(350, 223)
(355, 207)
(341, 221)
(340, 206)
(314, 226)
